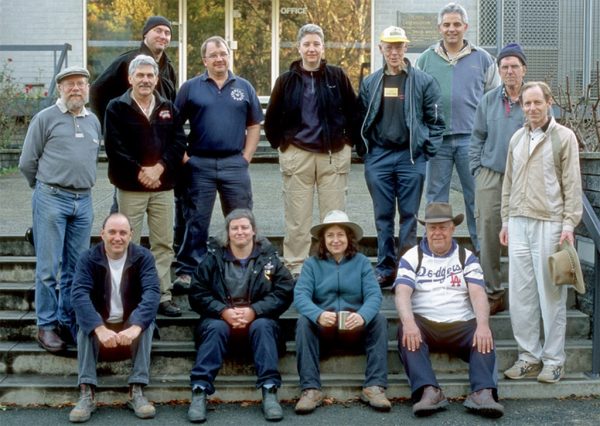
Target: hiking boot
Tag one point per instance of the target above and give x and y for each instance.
(309, 400)
(182, 283)
(551, 374)
(169, 308)
(270, 405)
(375, 397)
(85, 406)
(482, 402)
(432, 400)
(522, 369)
(197, 411)
(139, 404)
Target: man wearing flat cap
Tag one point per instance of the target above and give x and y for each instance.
(401, 130)
(498, 116)
(441, 300)
(59, 162)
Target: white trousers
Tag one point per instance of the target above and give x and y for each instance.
(531, 291)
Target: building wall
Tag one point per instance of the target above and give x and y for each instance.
(41, 22)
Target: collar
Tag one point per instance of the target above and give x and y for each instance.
(63, 108)
(230, 77)
(464, 51)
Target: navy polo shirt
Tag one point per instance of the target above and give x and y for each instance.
(218, 117)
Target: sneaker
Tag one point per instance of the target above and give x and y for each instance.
(551, 374)
(139, 404)
(270, 405)
(482, 402)
(169, 308)
(522, 369)
(197, 411)
(309, 400)
(182, 283)
(375, 397)
(432, 400)
(85, 406)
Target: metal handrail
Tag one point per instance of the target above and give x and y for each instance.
(592, 224)
(58, 63)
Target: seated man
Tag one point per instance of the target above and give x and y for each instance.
(115, 295)
(240, 289)
(442, 302)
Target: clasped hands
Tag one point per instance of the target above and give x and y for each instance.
(238, 317)
(149, 176)
(111, 339)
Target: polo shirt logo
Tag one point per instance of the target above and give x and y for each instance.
(238, 95)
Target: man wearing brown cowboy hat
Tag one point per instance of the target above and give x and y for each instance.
(442, 304)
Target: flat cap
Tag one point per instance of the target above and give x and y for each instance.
(69, 71)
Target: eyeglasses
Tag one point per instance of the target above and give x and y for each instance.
(214, 56)
(71, 84)
(389, 48)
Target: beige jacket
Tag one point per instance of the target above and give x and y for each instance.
(531, 187)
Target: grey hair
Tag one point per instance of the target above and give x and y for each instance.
(310, 29)
(218, 41)
(235, 215)
(141, 60)
(453, 8)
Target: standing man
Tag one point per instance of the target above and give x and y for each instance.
(145, 143)
(225, 116)
(498, 116)
(541, 206)
(240, 290)
(115, 295)
(442, 303)
(401, 129)
(59, 161)
(114, 81)
(310, 116)
(465, 72)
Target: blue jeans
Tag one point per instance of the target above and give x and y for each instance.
(373, 338)
(453, 338)
(393, 180)
(88, 349)
(454, 150)
(62, 224)
(205, 177)
(214, 335)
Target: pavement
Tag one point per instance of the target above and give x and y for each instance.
(15, 207)
(517, 412)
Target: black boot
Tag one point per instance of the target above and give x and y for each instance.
(270, 405)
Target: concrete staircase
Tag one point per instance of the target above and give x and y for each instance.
(30, 375)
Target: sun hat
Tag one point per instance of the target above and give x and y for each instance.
(565, 268)
(440, 212)
(337, 217)
(394, 35)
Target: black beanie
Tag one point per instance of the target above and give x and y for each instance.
(512, 49)
(155, 21)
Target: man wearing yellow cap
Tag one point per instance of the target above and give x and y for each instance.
(402, 128)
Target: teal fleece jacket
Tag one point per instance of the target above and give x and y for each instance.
(325, 285)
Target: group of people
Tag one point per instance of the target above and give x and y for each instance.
(458, 106)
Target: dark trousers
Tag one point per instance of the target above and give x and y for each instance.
(309, 337)
(214, 335)
(454, 338)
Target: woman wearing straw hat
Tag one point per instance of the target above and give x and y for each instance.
(338, 299)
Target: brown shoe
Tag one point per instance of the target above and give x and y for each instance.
(482, 402)
(496, 305)
(309, 400)
(375, 397)
(432, 400)
(50, 340)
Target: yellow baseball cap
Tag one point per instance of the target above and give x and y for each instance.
(394, 35)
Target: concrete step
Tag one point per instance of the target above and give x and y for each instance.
(56, 390)
(172, 358)
(20, 325)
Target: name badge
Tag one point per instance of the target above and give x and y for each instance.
(79, 135)
(390, 92)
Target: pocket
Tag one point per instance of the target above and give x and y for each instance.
(341, 160)
(288, 160)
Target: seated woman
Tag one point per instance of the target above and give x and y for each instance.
(339, 279)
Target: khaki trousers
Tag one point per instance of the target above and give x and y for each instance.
(303, 172)
(159, 206)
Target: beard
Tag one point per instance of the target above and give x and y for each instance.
(75, 103)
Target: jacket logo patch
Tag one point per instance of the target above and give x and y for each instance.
(165, 114)
(269, 269)
(238, 95)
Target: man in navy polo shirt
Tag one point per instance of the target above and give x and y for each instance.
(225, 115)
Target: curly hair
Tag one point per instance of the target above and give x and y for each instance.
(351, 250)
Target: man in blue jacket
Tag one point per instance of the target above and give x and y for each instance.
(402, 128)
(115, 295)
